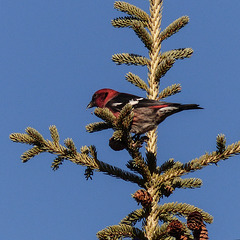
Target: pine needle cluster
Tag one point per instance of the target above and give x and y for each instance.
(159, 221)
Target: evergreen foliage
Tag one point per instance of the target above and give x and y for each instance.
(159, 221)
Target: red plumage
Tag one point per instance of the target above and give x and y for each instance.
(147, 113)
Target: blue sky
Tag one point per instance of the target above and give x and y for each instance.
(54, 56)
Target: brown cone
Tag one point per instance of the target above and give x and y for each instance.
(195, 221)
(196, 224)
(175, 229)
(116, 145)
(143, 197)
(203, 233)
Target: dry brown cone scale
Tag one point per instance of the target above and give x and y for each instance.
(143, 197)
(196, 224)
(175, 229)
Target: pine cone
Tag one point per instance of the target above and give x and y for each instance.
(195, 221)
(175, 229)
(203, 233)
(196, 224)
(183, 237)
(116, 145)
(143, 197)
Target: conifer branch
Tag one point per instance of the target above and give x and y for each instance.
(22, 138)
(167, 188)
(168, 217)
(129, 59)
(155, 29)
(166, 166)
(122, 139)
(161, 233)
(93, 151)
(199, 163)
(186, 183)
(131, 10)
(70, 145)
(151, 222)
(169, 91)
(31, 153)
(56, 163)
(180, 53)
(98, 126)
(138, 165)
(105, 114)
(134, 217)
(137, 81)
(127, 21)
(143, 34)
(156, 181)
(182, 209)
(221, 143)
(163, 67)
(214, 157)
(70, 153)
(33, 133)
(118, 135)
(174, 27)
(118, 231)
(54, 134)
(124, 120)
(151, 160)
(119, 173)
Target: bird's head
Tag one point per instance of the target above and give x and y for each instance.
(101, 97)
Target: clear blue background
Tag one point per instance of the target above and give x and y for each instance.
(54, 55)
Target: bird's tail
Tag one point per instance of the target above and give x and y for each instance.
(190, 106)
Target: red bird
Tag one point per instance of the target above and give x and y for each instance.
(147, 113)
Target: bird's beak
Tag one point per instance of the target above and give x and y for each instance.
(90, 105)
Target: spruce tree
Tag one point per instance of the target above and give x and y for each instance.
(156, 179)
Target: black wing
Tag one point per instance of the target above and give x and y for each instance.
(117, 103)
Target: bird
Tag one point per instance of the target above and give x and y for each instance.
(148, 113)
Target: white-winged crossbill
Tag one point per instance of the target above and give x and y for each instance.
(147, 113)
